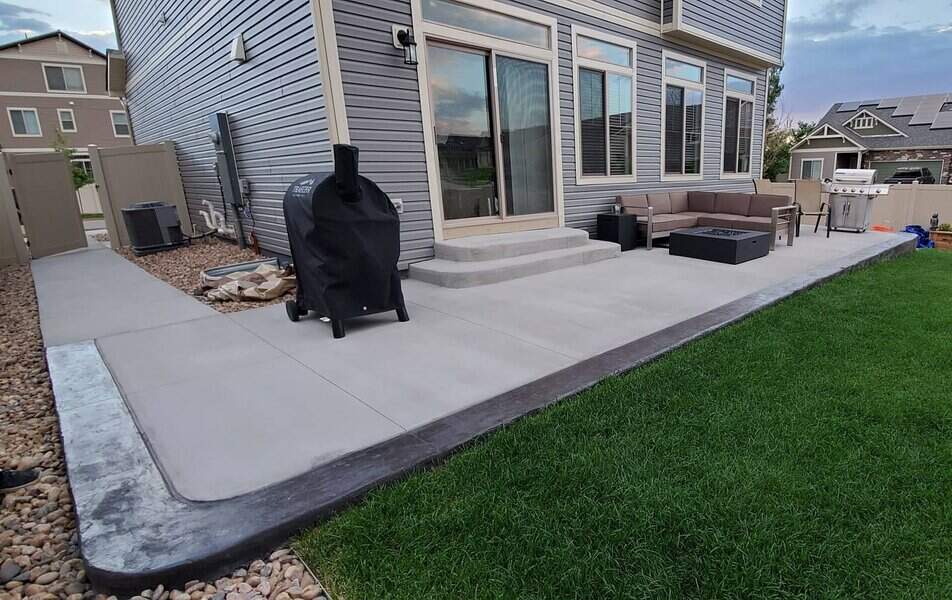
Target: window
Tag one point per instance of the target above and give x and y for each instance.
(738, 124)
(947, 107)
(464, 16)
(605, 93)
(120, 123)
(67, 120)
(864, 123)
(811, 168)
(64, 78)
(85, 164)
(25, 122)
(683, 117)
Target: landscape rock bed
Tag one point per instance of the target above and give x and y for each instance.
(39, 544)
(182, 268)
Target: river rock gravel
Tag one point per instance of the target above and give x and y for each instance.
(39, 546)
(182, 268)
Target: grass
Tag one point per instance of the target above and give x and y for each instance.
(805, 452)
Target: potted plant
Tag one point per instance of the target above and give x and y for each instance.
(942, 236)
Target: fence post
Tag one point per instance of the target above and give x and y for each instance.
(13, 250)
(172, 168)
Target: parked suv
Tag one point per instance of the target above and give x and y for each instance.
(922, 175)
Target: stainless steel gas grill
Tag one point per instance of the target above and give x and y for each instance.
(851, 199)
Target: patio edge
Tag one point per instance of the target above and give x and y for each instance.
(135, 533)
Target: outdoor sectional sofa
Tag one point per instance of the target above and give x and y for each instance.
(660, 213)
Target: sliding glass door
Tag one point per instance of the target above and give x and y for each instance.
(493, 130)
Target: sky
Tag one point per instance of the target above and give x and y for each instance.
(836, 51)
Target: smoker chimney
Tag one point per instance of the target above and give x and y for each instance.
(345, 170)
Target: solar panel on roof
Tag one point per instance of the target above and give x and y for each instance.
(889, 103)
(927, 111)
(907, 107)
(848, 107)
(942, 121)
(868, 103)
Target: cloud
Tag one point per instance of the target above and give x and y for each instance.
(835, 18)
(863, 63)
(19, 20)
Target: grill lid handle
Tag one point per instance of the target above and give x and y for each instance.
(345, 171)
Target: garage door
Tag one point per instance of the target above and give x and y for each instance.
(887, 169)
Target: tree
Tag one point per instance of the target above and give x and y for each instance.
(80, 176)
(781, 135)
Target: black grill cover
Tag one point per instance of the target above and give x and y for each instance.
(345, 241)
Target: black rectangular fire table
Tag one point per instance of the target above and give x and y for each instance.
(731, 246)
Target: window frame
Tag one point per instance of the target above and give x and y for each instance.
(686, 84)
(740, 96)
(806, 160)
(112, 122)
(72, 117)
(579, 62)
(82, 77)
(36, 113)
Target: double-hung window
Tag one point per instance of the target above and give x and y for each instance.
(64, 78)
(683, 120)
(25, 122)
(811, 168)
(120, 123)
(605, 107)
(738, 123)
(67, 120)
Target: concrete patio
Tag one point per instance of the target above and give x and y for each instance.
(245, 426)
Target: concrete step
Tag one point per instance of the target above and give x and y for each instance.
(462, 274)
(508, 245)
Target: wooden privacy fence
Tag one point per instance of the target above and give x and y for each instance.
(132, 174)
(904, 205)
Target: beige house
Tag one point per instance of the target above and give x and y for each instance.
(55, 83)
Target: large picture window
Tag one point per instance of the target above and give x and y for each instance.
(811, 168)
(683, 109)
(605, 114)
(738, 124)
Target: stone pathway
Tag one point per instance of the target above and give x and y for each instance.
(39, 544)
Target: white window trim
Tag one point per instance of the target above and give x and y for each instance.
(112, 123)
(806, 160)
(72, 117)
(702, 87)
(865, 114)
(82, 76)
(35, 112)
(596, 65)
(752, 98)
(427, 30)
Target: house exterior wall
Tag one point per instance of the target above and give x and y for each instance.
(757, 25)
(22, 85)
(180, 73)
(937, 154)
(797, 158)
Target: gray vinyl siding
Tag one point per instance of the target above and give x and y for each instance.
(797, 158)
(383, 113)
(667, 11)
(827, 143)
(741, 21)
(275, 100)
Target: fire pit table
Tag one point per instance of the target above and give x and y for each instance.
(731, 246)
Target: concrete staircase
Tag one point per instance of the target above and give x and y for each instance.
(484, 259)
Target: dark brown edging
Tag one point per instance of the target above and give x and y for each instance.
(135, 534)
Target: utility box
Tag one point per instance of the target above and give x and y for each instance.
(152, 227)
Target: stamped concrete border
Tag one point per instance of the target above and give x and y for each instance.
(135, 533)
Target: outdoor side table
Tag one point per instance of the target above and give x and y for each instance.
(621, 229)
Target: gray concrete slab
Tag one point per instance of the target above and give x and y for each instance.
(232, 433)
(411, 372)
(93, 293)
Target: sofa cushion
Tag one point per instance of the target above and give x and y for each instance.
(730, 221)
(660, 202)
(701, 201)
(760, 204)
(679, 201)
(670, 222)
(632, 201)
(732, 203)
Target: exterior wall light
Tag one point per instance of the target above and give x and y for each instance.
(405, 37)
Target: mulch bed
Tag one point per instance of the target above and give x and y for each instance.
(182, 268)
(39, 545)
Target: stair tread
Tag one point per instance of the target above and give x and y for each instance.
(484, 248)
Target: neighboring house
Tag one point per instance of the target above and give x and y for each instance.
(519, 115)
(885, 135)
(55, 83)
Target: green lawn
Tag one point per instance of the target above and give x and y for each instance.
(804, 452)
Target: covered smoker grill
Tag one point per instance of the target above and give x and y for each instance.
(345, 241)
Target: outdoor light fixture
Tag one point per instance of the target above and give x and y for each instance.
(405, 37)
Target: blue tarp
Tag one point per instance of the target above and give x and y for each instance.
(923, 241)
